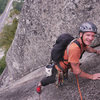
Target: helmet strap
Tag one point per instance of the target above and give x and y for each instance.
(82, 40)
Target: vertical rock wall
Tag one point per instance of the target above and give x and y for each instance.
(41, 21)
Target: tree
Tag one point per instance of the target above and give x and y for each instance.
(17, 5)
(3, 4)
(6, 38)
(7, 35)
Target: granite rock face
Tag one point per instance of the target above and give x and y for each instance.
(40, 23)
(25, 88)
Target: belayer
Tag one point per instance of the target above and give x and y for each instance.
(71, 56)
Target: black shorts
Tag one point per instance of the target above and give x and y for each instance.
(49, 79)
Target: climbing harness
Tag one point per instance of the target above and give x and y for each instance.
(61, 75)
(79, 87)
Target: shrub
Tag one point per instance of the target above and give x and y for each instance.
(17, 5)
(6, 38)
(3, 4)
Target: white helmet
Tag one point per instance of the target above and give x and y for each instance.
(48, 70)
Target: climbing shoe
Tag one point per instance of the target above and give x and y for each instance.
(38, 89)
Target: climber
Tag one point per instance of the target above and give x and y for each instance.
(72, 53)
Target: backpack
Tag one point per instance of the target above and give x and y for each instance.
(59, 47)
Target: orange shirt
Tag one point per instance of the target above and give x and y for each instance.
(74, 53)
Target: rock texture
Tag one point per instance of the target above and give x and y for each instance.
(41, 21)
(25, 88)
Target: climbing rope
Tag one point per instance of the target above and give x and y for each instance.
(79, 87)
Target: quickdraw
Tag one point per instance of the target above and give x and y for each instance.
(59, 79)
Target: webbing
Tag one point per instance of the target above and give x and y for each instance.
(75, 41)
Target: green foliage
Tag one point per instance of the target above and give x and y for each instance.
(17, 5)
(7, 35)
(13, 12)
(2, 64)
(3, 4)
(6, 38)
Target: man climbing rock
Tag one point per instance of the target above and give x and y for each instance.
(72, 56)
